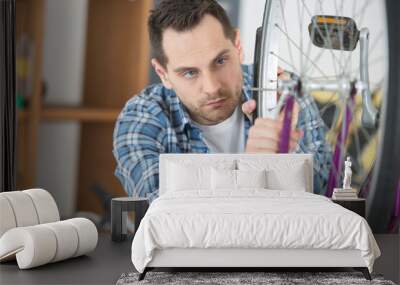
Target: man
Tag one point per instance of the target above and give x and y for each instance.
(204, 101)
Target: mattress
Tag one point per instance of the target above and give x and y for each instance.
(251, 219)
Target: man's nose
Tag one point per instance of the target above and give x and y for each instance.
(211, 83)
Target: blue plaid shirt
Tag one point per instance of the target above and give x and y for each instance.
(155, 121)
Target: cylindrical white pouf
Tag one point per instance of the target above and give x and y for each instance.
(7, 218)
(87, 234)
(67, 239)
(23, 208)
(35, 245)
(45, 205)
(40, 244)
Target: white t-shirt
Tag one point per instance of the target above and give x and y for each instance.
(227, 136)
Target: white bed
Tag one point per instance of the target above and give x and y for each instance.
(201, 219)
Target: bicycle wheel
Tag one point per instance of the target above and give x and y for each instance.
(339, 51)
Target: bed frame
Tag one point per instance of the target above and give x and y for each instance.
(249, 259)
(246, 259)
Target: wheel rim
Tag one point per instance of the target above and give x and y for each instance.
(340, 112)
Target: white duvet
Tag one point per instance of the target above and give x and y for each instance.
(253, 218)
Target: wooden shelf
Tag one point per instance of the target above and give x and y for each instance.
(82, 114)
(22, 115)
(116, 64)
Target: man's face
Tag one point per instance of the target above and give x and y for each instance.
(204, 70)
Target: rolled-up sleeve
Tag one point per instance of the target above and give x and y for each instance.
(137, 144)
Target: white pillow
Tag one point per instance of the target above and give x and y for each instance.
(228, 179)
(183, 177)
(292, 179)
(186, 173)
(251, 178)
(284, 174)
(223, 179)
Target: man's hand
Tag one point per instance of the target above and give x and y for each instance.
(264, 135)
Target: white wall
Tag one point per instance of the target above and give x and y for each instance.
(250, 18)
(64, 47)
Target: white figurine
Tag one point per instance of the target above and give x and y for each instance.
(347, 174)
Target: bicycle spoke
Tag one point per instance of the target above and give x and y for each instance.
(339, 14)
(368, 2)
(334, 59)
(329, 104)
(366, 134)
(284, 61)
(336, 116)
(358, 148)
(300, 15)
(288, 44)
(326, 40)
(349, 61)
(309, 42)
(299, 49)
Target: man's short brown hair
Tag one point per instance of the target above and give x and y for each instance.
(182, 15)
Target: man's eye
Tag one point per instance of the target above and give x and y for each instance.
(221, 60)
(189, 74)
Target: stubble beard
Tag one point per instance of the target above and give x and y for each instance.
(206, 115)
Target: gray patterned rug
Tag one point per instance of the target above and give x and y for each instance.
(243, 278)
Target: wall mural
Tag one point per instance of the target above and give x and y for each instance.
(339, 56)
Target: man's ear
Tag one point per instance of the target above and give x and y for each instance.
(238, 45)
(161, 72)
